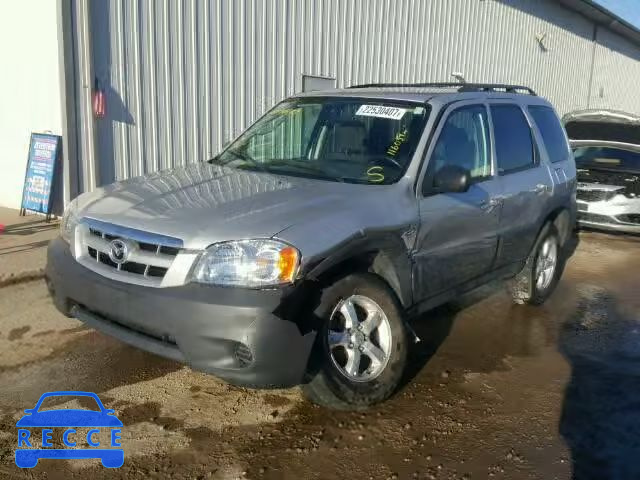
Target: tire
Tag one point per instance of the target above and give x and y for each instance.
(331, 384)
(526, 287)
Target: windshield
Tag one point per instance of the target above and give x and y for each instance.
(607, 158)
(348, 140)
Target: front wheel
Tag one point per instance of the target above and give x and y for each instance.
(539, 277)
(361, 349)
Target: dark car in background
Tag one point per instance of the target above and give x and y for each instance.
(606, 146)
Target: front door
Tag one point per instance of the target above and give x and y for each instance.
(457, 238)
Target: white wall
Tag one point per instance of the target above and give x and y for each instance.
(29, 86)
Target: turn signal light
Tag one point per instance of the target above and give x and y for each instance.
(288, 264)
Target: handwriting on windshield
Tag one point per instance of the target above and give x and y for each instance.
(401, 137)
(375, 174)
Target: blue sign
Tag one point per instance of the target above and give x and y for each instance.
(31, 447)
(41, 165)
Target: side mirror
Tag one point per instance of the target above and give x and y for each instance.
(452, 179)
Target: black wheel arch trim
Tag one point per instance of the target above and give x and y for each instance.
(384, 253)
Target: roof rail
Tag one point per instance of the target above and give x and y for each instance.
(462, 87)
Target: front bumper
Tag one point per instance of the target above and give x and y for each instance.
(598, 219)
(255, 338)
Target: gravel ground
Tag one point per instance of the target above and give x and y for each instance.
(497, 391)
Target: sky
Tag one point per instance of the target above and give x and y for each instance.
(627, 9)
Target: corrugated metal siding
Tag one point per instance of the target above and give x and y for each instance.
(87, 177)
(616, 73)
(185, 76)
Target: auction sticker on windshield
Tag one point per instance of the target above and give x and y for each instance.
(394, 113)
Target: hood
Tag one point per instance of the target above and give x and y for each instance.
(599, 126)
(203, 203)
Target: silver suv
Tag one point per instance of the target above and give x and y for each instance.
(299, 253)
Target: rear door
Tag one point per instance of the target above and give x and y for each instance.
(457, 238)
(556, 147)
(525, 182)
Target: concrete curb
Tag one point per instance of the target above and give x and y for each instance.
(21, 277)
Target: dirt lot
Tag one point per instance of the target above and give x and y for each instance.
(499, 391)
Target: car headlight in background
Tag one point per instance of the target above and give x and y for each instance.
(248, 263)
(69, 221)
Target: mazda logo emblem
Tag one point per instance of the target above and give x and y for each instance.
(119, 251)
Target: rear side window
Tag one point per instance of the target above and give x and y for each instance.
(551, 131)
(514, 144)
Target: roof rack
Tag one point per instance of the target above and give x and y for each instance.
(462, 87)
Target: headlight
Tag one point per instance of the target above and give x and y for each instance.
(248, 263)
(69, 221)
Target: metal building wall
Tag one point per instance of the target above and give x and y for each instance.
(616, 73)
(185, 76)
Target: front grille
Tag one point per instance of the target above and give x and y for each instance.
(131, 267)
(147, 247)
(629, 218)
(146, 259)
(595, 195)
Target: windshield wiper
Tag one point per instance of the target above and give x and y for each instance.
(306, 168)
(242, 156)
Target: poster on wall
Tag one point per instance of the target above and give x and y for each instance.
(39, 178)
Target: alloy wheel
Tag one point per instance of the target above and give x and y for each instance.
(546, 263)
(359, 338)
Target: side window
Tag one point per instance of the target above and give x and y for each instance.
(514, 142)
(552, 133)
(464, 141)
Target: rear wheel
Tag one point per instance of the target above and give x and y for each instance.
(538, 279)
(361, 349)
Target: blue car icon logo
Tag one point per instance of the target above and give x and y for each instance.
(68, 419)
